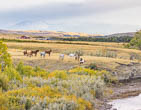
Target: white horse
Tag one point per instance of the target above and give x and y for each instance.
(43, 54)
(72, 55)
(61, 56)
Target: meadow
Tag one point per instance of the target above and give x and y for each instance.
(36, 83)
(104, 55)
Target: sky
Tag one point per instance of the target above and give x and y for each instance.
(88, 16)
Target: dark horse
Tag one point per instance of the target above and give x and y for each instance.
(48, 52)
(25, 52)
(34, 52)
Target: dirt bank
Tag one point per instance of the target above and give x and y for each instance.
(121, 90)
(128, 87)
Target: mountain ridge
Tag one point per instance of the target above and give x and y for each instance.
(63, 34)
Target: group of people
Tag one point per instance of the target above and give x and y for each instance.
(61, 56)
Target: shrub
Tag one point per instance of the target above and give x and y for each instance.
(92, 66)
(3, 102)
(25, 70)
(12, 73)
(28, 104)
(5, 59)
(83, 71)
(41, 72)
(30, 71)
(58, 74)
(135, 41)
(3, 82)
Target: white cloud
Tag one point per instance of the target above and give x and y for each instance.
(8, 5)
(93, 15)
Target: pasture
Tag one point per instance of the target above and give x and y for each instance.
(104, 55)
(74, 87)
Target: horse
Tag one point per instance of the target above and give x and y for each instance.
(35, 52)
(29, 54)
(72, 55)
(61, 56)
(48, 52)
(25, 52)
(43, 54)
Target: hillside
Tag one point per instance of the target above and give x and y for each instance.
(129, 34)
(48, 33)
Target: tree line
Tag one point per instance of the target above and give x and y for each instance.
(96, 39)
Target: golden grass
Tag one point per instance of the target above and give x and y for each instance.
(51, 63)
(123, 54)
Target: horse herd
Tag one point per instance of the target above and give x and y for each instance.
(61, 56)
(35, 52)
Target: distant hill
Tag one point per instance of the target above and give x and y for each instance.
(48, 33)
(63, 34)
(129, 34)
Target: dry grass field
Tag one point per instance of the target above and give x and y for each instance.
(83, 87)
(104, 55)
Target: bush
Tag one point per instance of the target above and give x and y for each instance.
(5, 59)
(30, 71)
(28, 104)
(3, 102)
(92, 66)
(12, 73)
(41, 72)
(25, 70)
(58, 74)
(83, 71)
(3, 82)
(135, 41)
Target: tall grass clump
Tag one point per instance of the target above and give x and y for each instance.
(105, 53)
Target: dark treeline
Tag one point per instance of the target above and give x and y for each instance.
(92, 39)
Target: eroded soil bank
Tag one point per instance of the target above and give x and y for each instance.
(120, 91)
(128, 88)
(131, 103)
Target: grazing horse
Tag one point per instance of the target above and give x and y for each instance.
(43, 54)
(29, 54)
(61, 56)
(48, 52)
(72, 55)
(25, 52)
(35, 52)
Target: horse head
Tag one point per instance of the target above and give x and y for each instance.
(37, 50)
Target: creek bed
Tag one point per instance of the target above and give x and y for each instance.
(132, 103)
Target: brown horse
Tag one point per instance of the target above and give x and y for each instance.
(34, 52)
(25, 52)
(30, 54)
(48, 52)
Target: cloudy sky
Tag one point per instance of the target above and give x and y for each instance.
(89, 16)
